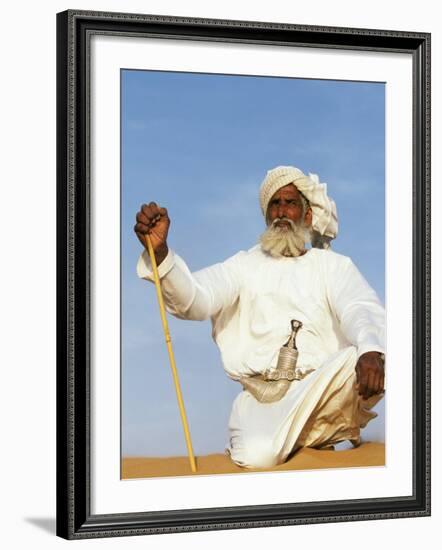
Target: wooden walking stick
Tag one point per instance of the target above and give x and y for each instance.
(171, 355)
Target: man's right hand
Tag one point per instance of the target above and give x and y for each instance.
(153, 220)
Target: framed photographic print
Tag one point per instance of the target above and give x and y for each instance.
(212, 142)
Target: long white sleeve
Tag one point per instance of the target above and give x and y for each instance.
(195, 296)
(357, 307)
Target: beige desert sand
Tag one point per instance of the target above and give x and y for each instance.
(368, 454)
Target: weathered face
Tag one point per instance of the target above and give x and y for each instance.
(287, 203)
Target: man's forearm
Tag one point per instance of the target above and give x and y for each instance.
(196, 296)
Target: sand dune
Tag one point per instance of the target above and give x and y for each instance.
(368, 454)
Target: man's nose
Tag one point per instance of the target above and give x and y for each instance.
(281, 210)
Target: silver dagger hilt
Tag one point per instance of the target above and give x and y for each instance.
(288, 354)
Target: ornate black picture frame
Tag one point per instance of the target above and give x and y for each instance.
(74, 32)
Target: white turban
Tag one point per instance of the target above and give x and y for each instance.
(324, 219)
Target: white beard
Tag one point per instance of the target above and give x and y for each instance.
(285, 241)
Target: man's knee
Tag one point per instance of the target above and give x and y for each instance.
(255, 452)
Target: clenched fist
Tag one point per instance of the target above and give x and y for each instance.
(153, 220)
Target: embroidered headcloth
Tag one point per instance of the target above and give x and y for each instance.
(324, 219)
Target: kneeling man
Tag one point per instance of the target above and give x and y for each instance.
(299, 328)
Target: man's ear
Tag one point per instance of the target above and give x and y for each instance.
(308, 217)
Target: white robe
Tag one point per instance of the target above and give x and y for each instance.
(251, 299)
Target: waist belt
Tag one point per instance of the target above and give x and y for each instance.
(274, 374)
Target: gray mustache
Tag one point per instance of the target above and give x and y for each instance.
(290, 222)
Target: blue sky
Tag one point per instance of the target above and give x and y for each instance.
(201, 145)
